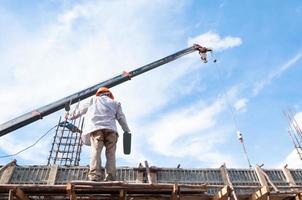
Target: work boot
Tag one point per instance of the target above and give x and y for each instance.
(94, 178)
(109, 177)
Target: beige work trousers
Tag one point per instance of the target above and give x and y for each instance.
(99, 139)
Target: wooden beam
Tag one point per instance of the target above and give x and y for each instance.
(224, 193)
(7, 174)
(140, 174)
(122, 195)
(18, 193)
(10, 195)
(264, 177)
(261, 194)
(288, 176)
(224, 175)
(70, 191)
(153, 176)
(52, 175)
(291, 182)
(140, 177)
(13, 162)
(298, 196)
(175, 191)
(227, 180)
(149, 177)
(261, 177)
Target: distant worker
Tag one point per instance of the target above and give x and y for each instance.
(100, 130)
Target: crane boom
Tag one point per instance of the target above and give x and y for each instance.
(39, 113)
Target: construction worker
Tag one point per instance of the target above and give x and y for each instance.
(100, 130)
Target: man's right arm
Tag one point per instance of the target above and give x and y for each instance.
(80, 111)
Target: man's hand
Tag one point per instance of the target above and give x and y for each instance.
(70, 116)
(66, 116)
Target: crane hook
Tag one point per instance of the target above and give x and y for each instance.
(203, 53)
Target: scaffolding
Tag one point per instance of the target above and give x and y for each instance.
(294, 131)
(67, 145)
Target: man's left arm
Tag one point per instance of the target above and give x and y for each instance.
(120, 116)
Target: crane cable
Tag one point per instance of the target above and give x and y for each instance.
(39, 139)
(230, 108)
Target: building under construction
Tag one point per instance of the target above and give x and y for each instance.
(144, 182)
(63, 178)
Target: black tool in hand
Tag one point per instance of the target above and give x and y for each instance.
(127, 143)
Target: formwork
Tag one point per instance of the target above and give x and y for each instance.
(59, 182)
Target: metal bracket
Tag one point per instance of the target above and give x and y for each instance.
(126, 74)
(202, 52)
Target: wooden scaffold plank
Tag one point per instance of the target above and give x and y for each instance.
(175, 192)
(224, 193)
(291, 182)
(8, 171)
(149, 179)
(3, 168)
(52, 175)
(140, 174)
(18, 193)
(266, 177)
(261, 194)
(122, 195)
(264, 192)
(261, 177)
(152, 178)
(288, 176)
(70, 191)
(118, 190)
(227, 180)
(298, 196)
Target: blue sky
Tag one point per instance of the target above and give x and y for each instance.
(179, 113)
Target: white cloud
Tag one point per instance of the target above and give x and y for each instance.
(36, 154)
(233, 99)
(276, 73)
(182, 122)
(67, 55)
(190, 133)
(59, 62)
(214, 41)
(292, 160)
(298, 118)
(68, 17)
(240, 104)
(89, 43)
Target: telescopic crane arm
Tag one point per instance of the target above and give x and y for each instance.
(39, 113)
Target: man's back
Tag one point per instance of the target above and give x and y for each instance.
(101, 114)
